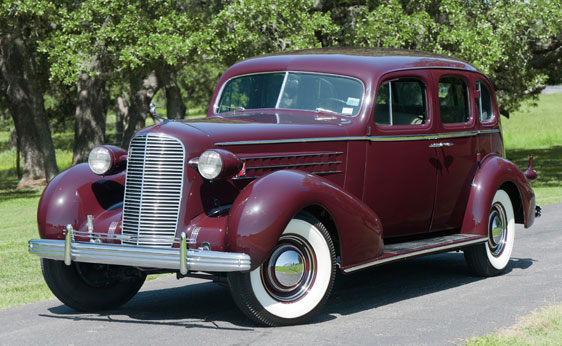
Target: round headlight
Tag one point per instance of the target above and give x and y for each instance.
(210, 164)
(100, 160)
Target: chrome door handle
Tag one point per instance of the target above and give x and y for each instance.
(441, 145)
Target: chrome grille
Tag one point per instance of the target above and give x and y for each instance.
(153, 190)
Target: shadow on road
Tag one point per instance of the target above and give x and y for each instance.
(209, 305)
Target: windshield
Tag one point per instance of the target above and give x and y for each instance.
(292, 90)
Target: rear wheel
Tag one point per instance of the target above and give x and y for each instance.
(91, 287)
(491, 258)
(294, 282)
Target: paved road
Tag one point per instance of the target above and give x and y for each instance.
(425, 301)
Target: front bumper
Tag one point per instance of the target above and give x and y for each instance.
(181, 259)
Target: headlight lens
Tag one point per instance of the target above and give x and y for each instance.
(100, 160)
(210, 164)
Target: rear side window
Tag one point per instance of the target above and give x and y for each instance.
(485, 108)
(401, 102)
(453, 100)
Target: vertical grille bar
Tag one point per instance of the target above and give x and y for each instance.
(153, 190)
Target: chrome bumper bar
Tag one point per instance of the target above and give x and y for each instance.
(181, 259)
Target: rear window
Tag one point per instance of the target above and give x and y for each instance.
(453, 100)
(485, 108)
(401, 102)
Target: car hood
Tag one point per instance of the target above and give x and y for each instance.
(204, 133)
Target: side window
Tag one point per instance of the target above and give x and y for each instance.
(401, 102)
(485, 108)
(453, 100)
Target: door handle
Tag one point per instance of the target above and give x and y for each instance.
(441, 145)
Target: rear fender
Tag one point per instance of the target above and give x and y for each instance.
(495, 172)
(263, 209)
(76, 193)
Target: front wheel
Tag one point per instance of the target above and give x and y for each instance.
(91, 287)
(294, 282)
(491, 258)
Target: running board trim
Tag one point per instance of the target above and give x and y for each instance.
(390, 257)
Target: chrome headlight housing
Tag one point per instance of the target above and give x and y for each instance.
(216, 164)
(210, 164)
(107, 159)
(100, 160)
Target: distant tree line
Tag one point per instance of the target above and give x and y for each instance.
(70, 61)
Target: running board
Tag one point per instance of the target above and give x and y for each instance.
(400, 251)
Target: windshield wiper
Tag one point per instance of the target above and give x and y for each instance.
(236, 108)
(318, 109)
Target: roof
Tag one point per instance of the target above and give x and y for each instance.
(358, 62)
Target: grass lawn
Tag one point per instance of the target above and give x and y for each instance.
(21, 281)
(532, 130)
(543, 327)
(538, 130)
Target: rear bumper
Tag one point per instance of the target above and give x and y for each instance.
(181, 259)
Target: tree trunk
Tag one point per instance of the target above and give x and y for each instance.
(175, 109)
(89, 125)
(121, 115)
(142, 91)
(19, 81)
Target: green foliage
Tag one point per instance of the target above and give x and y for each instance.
(494, 36)
(126, 36)
(253, 27)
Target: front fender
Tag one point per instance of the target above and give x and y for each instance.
(494, 172)
(263, 209)
(76, 193)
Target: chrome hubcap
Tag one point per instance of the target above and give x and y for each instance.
(497, 229)
(288, 267)
(290, 270)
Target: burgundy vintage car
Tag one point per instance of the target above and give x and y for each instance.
(307, 163)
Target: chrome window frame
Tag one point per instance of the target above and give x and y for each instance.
(491, 119)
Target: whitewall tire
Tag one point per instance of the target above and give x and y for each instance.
(491, 258)
(296, 279)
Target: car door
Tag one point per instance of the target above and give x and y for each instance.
(400, 177)
(456, 146)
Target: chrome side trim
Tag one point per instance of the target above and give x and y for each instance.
(416, 253)
(436, 136)
(295, 165)
(245, 158)
(141, 256)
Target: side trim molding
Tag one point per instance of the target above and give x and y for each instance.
(433, 136)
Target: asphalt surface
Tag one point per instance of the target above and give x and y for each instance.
(426, 301)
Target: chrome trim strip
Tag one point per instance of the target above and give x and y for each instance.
(141, 256)
(326, 172)
(416, 253)
(296, 165)
(436, 136)
(246, 158)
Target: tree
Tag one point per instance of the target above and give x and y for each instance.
(254, 27)
(502, 38)
(22, 24)
(137, 43)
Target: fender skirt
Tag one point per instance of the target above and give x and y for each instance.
(263, 209)
(494, 172)
(76, 193)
